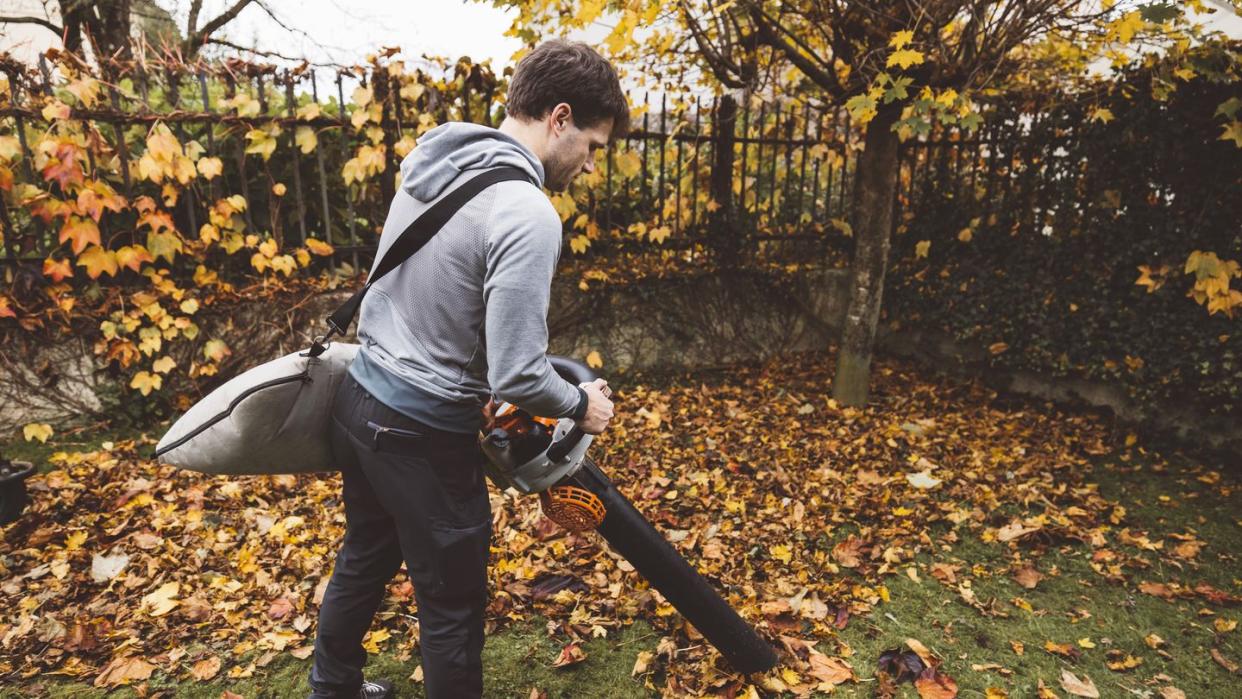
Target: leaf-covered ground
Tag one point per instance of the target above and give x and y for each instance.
(941, 541)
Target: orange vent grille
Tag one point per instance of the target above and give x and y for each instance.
(576, 509)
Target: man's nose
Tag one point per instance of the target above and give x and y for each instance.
(589, 166)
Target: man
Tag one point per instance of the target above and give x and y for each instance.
(464, 318)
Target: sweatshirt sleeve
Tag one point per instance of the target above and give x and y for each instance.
(522, 248)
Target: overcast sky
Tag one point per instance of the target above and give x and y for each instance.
(344, 31)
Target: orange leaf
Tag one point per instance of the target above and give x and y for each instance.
(133, 257)
(57, 269)
(96, 260)
(82, 231)
(123, 671)
(64, 168)
(933, 684)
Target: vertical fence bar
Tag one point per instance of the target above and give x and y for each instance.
(349, 200)
(646, 189)
(694, 179)
(118, 129)
(745, 149)
(174, 99)
(230, 88)
(677, 179)
(323, 179)
(210, 128)
(847, 204)
(297, 161)
(27, 158)
(786, 177)
(833, 157)
(806, 134)
(819, 139)
(763, 108)
(608, 187)
(776, 135)
(663, 134)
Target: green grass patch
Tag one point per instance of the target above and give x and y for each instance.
(515, 660)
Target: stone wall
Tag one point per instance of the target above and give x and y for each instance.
(660, 325)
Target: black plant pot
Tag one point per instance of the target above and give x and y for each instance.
(13, 499)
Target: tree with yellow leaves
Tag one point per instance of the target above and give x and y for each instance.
(897, 65)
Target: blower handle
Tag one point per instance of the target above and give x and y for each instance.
(576, 373)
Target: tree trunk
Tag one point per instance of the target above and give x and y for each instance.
(723, 232)
(873, 224)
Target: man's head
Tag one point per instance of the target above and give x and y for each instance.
(564, 102)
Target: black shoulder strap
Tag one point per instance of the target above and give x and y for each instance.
(414, 237)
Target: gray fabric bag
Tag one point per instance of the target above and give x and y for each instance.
(273, 418)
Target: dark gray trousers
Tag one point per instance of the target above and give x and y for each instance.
(415, 494)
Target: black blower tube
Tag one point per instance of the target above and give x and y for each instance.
(631, 535)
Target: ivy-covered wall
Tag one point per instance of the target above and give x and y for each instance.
(1075, 255)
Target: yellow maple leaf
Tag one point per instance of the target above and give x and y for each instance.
(1101, 114)
(781, 553)
(901, 39)
(37, 430)
(305, 139)
(163, 600)
(579, 244)
(164, 364)
(319, 247)
(262, 143)
(216, 350)
(309, 111)
(165, 244)
(55, 110)
(284, 264)
(904, 58)
(1233, 132)
(146, 382)
(593, 360)
(922, 248)
(96, 260)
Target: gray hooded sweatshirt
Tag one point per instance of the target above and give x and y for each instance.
(466, 316)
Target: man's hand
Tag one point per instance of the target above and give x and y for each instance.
(599, 407)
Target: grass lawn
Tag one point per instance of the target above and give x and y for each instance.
(1153, 610)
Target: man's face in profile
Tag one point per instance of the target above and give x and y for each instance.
(573, 153)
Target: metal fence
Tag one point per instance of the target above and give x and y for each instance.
(789, 166)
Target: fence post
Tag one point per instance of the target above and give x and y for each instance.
(722, 231)
(383, 90)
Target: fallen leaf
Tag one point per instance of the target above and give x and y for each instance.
(933, 684)
(642, 663)
(1079, 688)
(1223, 661)
(1027, 576)
(123, 670)
(105, 568)
(828, 670)
(571, 654)
(206, 668)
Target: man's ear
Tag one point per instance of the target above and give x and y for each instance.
(562, 116)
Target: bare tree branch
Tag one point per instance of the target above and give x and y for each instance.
(33, 20)
(195, 40)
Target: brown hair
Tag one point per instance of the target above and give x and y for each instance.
(568, 71)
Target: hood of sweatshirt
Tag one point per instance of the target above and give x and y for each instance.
(443, 153)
